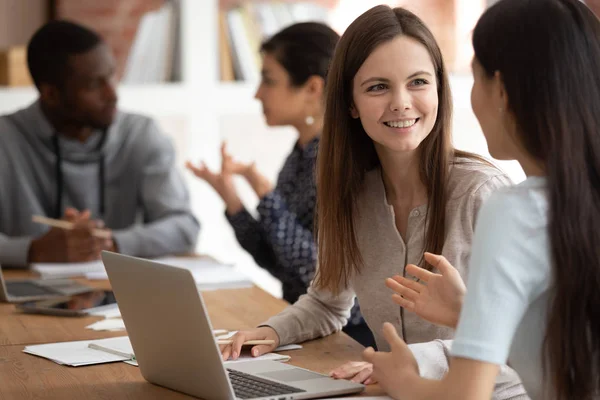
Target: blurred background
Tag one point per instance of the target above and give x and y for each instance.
(194, 66)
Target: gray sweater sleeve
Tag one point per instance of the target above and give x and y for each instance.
(14, 251)
(316, 314)
(169, 226)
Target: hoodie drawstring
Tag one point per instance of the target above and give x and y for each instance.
(58, 209)
(58, 177)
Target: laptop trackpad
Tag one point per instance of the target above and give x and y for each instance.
(291, 375)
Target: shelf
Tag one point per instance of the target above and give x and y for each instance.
(161, 99)
(237, 98)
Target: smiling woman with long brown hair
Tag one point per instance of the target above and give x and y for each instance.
(389, 186)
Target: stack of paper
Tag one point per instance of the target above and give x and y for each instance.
(208, 274)
(67, 270)
(112, 312)
(109, 324)
(74, 354)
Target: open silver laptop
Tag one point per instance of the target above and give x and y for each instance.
(21, 290)
(174, 345)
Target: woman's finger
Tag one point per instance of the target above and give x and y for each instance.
(409, 283)
(226, 352)
(198, 171)
(401, 290)
(439, 262)
(418, 272)
(370, 380)
(236, 345)
(363, 374)
(261, 349)
(402, 302)
(347, 370)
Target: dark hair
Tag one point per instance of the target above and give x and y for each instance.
(50, 47)
(304, 49)
(346, 152)
(548, 55)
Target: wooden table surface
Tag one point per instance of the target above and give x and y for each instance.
(24, 376)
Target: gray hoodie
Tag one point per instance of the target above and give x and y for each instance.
(125, 176)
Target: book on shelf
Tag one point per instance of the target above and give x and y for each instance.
(13, 67)
(245, 28)
(225, 57)
(153, 51)
(243, 54)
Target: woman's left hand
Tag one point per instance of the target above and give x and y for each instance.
(394, 369)
(437, 298)
(261, 185)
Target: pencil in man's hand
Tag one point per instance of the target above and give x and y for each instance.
(58, 223)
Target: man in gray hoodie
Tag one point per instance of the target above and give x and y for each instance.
(71, 155)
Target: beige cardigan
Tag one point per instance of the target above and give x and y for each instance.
(320, 313)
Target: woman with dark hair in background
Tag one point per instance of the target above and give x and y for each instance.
(390, 185)
(295, 65)
(533, 292)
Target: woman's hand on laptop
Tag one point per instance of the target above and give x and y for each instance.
(356, 371)
(234, 349)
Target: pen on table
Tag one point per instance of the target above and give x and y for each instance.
(111, 351)
(247, 342)
(57, 223)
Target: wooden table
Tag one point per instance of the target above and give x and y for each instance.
(23, 376)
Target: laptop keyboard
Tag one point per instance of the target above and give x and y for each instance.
(248, 386)
(23, 289)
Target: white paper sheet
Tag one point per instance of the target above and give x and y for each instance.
(111, 324)
(72, 353)
(113, 312)
(123, 345)
(67, 270)
(208, 274)
(120, 344)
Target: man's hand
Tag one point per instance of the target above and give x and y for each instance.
(71, 245)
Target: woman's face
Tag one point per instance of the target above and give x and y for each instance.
(282, 103)
(395, 95)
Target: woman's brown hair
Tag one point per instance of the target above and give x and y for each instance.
(548, 54)
(346, 152)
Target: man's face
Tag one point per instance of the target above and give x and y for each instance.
(88, 95)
